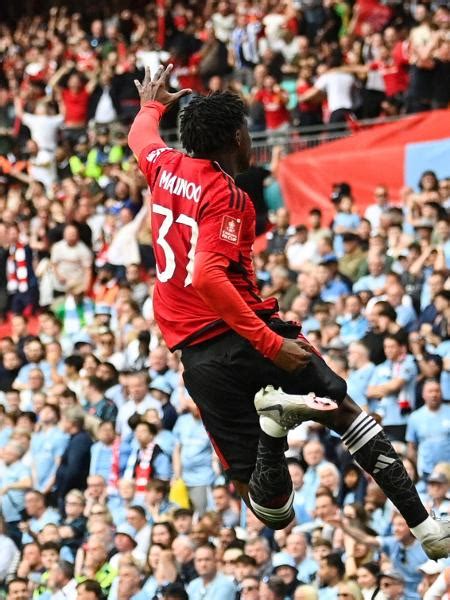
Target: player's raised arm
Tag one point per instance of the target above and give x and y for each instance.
(155, 98)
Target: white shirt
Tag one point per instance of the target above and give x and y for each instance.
(105, 111)
(130, 407)
(142, 538)
(373, 214)
(9, 556)
(124, 248)
(43, 129)
(68, 592)
(338, 87)
(72, 262)
(298, 253)
(43, 168)
(223, 26)
(151, 59)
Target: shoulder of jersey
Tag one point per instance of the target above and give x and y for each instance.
(237, 199)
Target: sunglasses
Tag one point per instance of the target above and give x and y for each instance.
(249, 588)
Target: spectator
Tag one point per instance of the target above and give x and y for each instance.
(223, 506)
(139, 401)
(392, 584)
(20, 276)
(99, 405)
(391, 386)
(192, 458)
(61, 581)
(331, 573)
(38, 515)
(210, 584)
(425, 430)
(297, 547)
(74, 468)
(71, 260)
(15, 479)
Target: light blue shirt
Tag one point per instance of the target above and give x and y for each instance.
(309, 487)
(388, 407)
(357, 383)
(162, 467)
(307, 570)
(47, 447)
(196, 451)
(44, 366)
(413, 555)
(349, 221)
(5, 434)
(13, 502)
(406, 315)
(220, 588)
(310, 324)
(333, 290)
(166, 441)
(444, 350)
(430, 430)
(101, 460)
(353, 330)
(50, 515)
(370, 282)
(328, 593)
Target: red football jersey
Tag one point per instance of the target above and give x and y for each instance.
(196, 207)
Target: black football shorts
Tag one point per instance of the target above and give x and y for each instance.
(222, 375)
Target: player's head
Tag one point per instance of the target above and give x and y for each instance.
(215, 124)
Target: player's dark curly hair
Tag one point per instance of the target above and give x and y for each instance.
(209, 123)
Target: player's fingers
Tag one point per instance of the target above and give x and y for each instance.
(138, 85)
(158, 74)
(167, 71)
(147, 76)
(304, 345)
(182, 93)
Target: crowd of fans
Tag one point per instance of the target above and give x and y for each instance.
(109, 486)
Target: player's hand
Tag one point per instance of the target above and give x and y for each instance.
(293, 355)
(156, 88)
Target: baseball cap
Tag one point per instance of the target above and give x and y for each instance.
(391, 574)
(424, 224)
(283, 559)
(328, 260)
(160, 384)
(437, 478)
(82, 338)
(102, 309)
(128, 530)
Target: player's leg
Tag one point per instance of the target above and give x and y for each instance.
(364, 438)
(222, 380)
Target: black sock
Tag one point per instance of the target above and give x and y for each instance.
(372, 450)
(270, 484)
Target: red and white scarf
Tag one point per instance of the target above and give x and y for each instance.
(16, 270)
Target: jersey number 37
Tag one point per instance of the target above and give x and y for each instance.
(169, 254)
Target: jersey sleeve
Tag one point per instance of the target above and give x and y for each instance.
(222, 223)
(144, 138)
(151, 158)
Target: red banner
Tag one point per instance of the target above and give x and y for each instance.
(365, 159)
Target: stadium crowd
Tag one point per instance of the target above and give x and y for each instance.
(109, 485)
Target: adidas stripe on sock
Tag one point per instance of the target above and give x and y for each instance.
(273, 514)
(361, 431)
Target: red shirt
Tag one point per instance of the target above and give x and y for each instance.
(274, 108)
(196, 207)
(75, 106)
